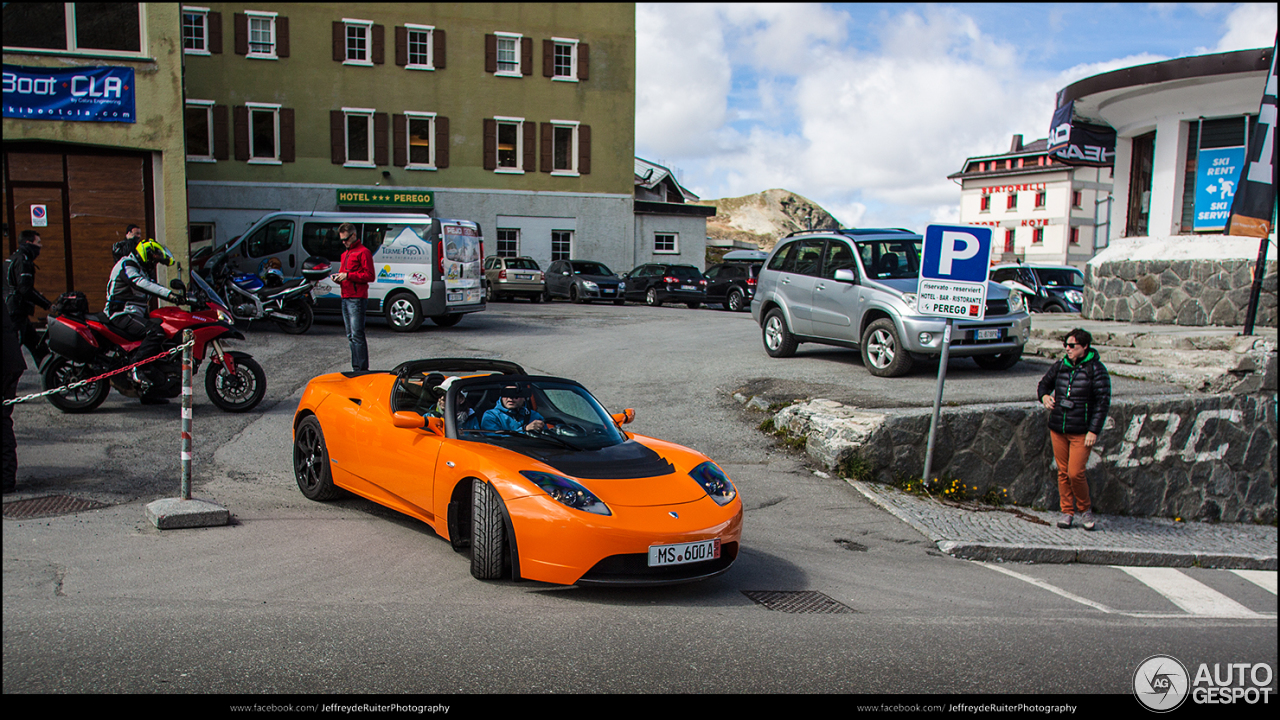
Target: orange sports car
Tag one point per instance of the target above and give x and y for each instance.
(531, 474)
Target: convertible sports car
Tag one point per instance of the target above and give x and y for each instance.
(531, 473)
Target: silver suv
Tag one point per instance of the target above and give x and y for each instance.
(857, 289)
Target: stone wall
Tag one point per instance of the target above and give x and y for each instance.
(1198, 458)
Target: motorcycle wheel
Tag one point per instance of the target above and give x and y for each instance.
(239, 392)
(305, 315)
(61, 371)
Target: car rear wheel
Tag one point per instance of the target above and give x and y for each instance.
(311, 462)
(882, 351)
(735, 301)
(1003, 361)
(778, 340)
(488, 532)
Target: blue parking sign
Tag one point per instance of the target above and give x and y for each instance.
(956, 252)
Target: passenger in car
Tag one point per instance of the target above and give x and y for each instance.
(511, 413)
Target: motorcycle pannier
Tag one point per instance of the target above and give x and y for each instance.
(64, 340)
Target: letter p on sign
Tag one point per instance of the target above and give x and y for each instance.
(956, 246)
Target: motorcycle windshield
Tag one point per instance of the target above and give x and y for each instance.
(208, 291)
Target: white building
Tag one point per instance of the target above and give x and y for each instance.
(1042, 211)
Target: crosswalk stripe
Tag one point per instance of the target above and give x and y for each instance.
(1046, 586)
(1188, 593)
(1265, 579)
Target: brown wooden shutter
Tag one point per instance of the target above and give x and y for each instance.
(548, 58)
(221, 138)
(337, 137)
(379, 43)
(584, 61)
(402, 45)
(214, 19)
(490, 144)
(491, 53)
(399, 140)
(241, 115)
(442, 142)
(282, 37)
(547, 147)
(380, 138)
(241, 31)
(584, 149)
(287, 144)
(530, 146)
(526, 56)
(437, 49)
(339, 41)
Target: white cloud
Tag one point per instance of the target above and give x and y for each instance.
(1251, 25)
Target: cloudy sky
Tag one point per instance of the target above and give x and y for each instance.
(866, 108)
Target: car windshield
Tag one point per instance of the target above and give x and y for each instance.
(896, 259)
(684, 272)
(590, 268)
(521, 264)
(1061, 277)
(501, 409)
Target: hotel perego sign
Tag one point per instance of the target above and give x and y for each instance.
(385, 198)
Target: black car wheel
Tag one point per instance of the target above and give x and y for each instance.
(1054, 308)
(778, 340)
(311, 462)
(735, 301)
(574, 296)
(651, 298)
(882, 351)
(488, 532)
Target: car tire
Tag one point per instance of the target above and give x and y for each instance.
(778, 340)
(311, 467)
(694, 305)
(882, 350)
(574, 297)
(1003, 361)
(403, 312)
(1054, 308)
(651, 298)
(734, 301)
(488, 532)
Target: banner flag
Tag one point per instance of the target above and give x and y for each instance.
(1255, 200)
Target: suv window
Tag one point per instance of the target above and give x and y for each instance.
(1060, 277)
(782, 261)
(839, 256)
(891, 259)
(684, 272)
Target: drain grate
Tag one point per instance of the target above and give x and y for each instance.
(48, 506)
(799, 602)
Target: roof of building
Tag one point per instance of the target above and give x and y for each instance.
(650, 175)
(1016, 150)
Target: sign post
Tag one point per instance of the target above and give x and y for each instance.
(954, 265)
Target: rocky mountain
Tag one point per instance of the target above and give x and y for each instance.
(765, 217)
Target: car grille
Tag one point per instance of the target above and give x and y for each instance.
(633, 569)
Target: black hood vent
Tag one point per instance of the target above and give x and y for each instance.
(625, 461)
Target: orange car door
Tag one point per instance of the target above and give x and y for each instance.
(401, 461)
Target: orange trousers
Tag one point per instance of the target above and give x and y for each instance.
(1073, 488)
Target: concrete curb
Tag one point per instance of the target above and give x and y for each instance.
(177, 514)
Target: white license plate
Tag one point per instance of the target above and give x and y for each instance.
(988, 334)
(688, 287)
(463, 296)
(524, 277)
(606, 291)
(683, 553)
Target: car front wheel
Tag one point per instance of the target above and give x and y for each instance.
(311, 462)
(882, 351)
(778, 340)
(488, 532)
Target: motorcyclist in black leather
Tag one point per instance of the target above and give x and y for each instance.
(129, 290)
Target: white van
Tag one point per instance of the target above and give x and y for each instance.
(423, 266)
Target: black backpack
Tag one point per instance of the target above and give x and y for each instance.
(73, 303)
(120, 249)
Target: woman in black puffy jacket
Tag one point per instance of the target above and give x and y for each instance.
(1077, 393)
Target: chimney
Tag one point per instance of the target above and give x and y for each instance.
(1016, 146)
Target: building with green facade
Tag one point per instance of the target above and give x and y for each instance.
(520, 117)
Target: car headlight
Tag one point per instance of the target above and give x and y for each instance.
(909, 299)
(567, 492)
(1017, 303)
(1075, 296)
(590, 285)
(715, 482)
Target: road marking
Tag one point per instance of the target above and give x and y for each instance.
(1188, 593)
(1051, 588)
(1265, 579)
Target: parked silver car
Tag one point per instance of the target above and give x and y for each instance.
(857, 289)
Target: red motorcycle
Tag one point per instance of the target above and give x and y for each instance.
(84, 347)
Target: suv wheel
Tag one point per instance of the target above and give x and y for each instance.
(1003, 361)
(734, 302)
(778, 340)
(882, 351)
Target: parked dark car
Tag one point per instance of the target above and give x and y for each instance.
(583, 281)
(1048, 288)
(732, 284)
(658, 283)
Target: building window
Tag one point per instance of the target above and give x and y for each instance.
(359, 134)
(1040, 198)
(1008, 240)
(264, 133)
(1075, 236)
(357, 41)
(561, 244)
(97, 28)
(508, 54)
(1077, 199)
(508, 242)
(564, 59)
(1037, 236)
(985, 204)
(419, 41)
(562, 146)
(510, 144)
(666, 243)
(195, 30)
(199, 130)
(421, 134)
(262, 34)
(1013, 201)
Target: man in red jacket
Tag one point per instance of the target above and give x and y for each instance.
(354, 275)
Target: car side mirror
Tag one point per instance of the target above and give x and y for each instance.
(846, 275)
(624, 417)
(406, 419)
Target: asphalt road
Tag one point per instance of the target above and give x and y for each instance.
(348, 597)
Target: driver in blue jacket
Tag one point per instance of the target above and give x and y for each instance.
(512, 414)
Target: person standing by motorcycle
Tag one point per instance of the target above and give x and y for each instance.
(130, 288)
(354, 275)
(22, 297)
